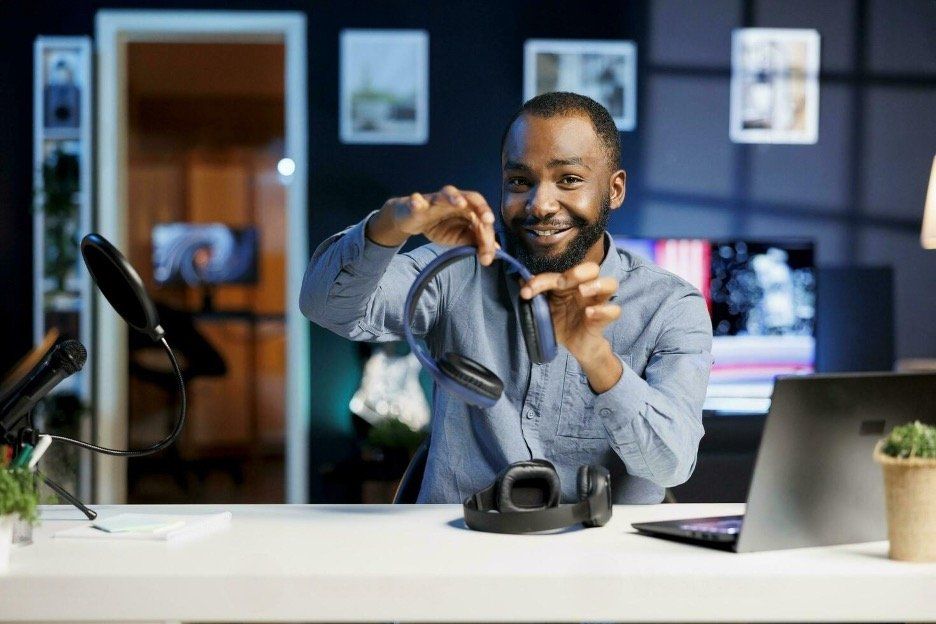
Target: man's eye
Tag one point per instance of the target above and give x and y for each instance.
(570, 179)
(515, 182)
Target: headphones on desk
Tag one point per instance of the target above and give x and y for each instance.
(525, 498)
(465, 378)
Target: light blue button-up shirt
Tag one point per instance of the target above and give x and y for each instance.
(645, 429)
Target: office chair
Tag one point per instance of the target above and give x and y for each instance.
(408, 490)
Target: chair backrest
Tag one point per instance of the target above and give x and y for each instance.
(408, 490)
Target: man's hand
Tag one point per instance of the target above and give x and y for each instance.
(449, 217)
(578, 302)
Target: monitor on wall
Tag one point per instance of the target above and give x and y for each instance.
(762, 299)
(202, 254)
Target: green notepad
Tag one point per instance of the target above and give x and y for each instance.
(144, 523)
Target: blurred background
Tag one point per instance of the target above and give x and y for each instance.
(207, 159)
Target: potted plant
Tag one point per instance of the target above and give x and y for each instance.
(908, 457)
(18, 497)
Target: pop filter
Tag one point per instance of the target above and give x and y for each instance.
(121, 285)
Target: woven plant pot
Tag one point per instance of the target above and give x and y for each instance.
(910, 492)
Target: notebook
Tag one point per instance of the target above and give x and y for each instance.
(153, 527)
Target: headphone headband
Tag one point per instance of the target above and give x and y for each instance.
(535, 321)
(496, 509)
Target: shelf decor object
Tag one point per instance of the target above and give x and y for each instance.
(62, 195)
(928, 233)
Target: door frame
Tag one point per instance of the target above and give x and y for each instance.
(114, 29)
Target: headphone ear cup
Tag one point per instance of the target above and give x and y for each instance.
(584, 482)
(594, 485)
(471, 375)
(527, 486)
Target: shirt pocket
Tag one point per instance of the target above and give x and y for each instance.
(577, 418)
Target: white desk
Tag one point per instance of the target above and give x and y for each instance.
(417, 563)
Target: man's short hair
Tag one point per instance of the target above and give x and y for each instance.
(562, 103)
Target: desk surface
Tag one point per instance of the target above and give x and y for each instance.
(408, 563)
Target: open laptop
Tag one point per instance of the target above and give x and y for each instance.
(815, 482)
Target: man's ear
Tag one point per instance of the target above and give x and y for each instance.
(618, 188)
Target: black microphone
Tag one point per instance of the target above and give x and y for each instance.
(64, 359)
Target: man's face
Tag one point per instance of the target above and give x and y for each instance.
(558, 190)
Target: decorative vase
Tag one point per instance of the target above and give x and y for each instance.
(910, 492)
(6, 540)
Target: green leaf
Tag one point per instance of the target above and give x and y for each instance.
(19, 494)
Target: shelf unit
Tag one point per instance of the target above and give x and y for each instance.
(62, 151)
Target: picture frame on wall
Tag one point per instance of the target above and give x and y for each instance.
(774, 85)
(384, 86)
(605, 71)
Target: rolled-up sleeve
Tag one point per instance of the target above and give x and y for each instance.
(357, 288)
(655, 423)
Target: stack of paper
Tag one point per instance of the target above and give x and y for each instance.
(161, 527)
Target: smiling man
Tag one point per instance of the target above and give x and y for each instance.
(627, 386)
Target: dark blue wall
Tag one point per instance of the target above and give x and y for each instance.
(858, 192)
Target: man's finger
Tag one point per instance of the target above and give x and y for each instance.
(579, 274)
(541, 283)
(485, 230)
(454, 196)
(418, 203)
(602, 314)
(477, 203)
(604, 285)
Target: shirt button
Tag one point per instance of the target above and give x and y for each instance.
(605, 411)
(529, 415)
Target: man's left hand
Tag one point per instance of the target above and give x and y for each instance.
(578, 302)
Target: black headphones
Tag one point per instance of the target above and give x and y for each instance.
(525, 498)
(467, 379)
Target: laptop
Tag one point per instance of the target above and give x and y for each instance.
(815, 482)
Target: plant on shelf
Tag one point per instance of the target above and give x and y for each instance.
(18, 497)
(908, 457)
(57, 202)
(395, 439)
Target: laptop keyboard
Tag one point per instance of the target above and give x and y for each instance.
(724, 526)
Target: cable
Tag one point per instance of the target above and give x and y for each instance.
(159, 445)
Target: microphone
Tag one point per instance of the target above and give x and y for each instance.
(63, 360)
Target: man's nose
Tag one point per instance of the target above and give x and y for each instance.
(541, 203)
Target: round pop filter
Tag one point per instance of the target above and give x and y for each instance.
(121, 285)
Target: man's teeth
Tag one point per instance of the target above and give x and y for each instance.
(545, 232)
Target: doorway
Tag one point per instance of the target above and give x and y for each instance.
(202, 133)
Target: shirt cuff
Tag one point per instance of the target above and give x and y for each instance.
(621, 404)
(375, 256)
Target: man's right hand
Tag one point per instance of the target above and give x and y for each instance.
(449, 217)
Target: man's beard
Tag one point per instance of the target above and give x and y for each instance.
(588, 234)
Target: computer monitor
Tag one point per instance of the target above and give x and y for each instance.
(200, 254)
(762, 299)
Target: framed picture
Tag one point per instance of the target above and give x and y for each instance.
(63, 82)
(384, 86)
(774, 85)
(605, 71)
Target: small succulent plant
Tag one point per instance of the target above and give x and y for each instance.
(914, 440)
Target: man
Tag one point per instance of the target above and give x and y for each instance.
(625, 390)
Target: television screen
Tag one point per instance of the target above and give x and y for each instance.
(762, 299)
(204, 253)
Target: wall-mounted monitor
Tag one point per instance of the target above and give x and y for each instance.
(200, 254)
(762, 299)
